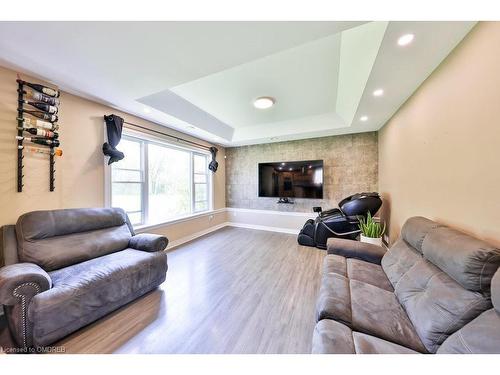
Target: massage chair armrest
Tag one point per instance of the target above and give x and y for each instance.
(148, 242)
(355, 249)
(21, 281)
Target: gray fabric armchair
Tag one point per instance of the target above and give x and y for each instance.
(67, 268)
(433, 291)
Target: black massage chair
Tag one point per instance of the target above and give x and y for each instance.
(339, 222)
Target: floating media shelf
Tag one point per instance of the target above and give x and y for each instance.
(37, 116)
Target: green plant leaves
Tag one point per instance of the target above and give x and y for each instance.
(369, 227)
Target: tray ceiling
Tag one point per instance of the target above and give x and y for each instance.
(202, 77)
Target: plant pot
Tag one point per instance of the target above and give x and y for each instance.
(373, 241)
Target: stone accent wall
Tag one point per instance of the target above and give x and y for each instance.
(350, 166)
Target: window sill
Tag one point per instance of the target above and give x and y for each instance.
(144, 227)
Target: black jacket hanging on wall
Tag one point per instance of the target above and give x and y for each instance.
(213, 164)
(114, 125)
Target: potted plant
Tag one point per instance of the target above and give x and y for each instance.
(371, 230)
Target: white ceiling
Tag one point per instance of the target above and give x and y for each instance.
(201, 77)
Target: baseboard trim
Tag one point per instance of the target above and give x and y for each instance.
(271, 212)
(183, 240)
(172, 245)
(264, 227)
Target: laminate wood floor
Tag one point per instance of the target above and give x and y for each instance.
(232, 291)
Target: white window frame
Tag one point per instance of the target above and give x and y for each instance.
(146, 139)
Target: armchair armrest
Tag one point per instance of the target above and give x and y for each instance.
(355, 249)
(148, 242)
(21, 281)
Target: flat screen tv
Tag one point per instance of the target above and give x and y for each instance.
(291, 179)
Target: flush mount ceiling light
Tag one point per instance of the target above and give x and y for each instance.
(264, 102)
(405, 39)
(378, 92)
(363, 118)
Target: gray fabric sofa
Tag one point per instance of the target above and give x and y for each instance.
(65, 269)
(436, 290)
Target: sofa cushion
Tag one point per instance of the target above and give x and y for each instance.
(334, 301)
(366, 344)
(398, 260)
(415, 229)
(59, 238)
(368, 273)
(331, 337)
(469, 261)
(378, 312)
(357, 270)
(481, 336)
(84, 292)
(436, 304)
(366, 308)
(336, 264)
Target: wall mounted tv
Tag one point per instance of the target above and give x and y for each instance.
(291, 179)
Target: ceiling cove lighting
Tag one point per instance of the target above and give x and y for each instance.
(264, 102)
(405, 39)
(378, 92)
(363, 118)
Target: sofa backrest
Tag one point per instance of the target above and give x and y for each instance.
(59, 238)
(482, 335)
(408, 248)
(441, 277)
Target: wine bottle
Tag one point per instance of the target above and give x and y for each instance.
(41, 115)
(40, 141)
(36, 150)
(32, 123)
(40, 132)
(38, 96)
(41, 106)
(43, 89)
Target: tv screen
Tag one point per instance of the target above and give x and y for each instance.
(291, 179)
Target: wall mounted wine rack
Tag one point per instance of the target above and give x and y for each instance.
(37, 115)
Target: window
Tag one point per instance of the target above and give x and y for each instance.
(157, 182)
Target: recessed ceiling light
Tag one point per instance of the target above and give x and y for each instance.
(290, 169)
(406, 39)
(363, 118)
(146, 110)
(378, 92)
(264, 102)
